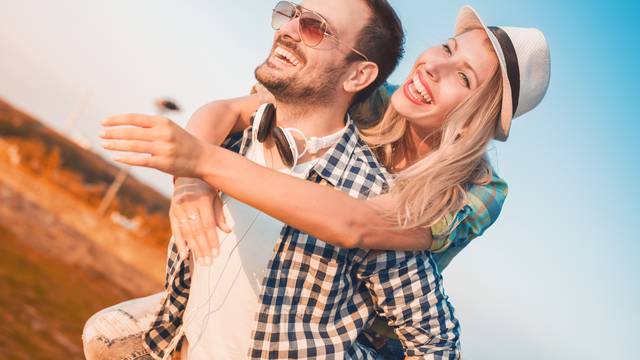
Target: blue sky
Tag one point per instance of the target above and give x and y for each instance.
(555, 278)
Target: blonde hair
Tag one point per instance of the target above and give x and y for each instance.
(434, 186)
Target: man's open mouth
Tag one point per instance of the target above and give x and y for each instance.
(285, 56)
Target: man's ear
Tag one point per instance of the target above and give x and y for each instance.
(362, 75)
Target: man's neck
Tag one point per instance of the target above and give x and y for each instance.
(311, 120)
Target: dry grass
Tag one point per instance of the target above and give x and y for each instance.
(60, 261)
(44, 302)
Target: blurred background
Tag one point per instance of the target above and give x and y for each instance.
(555, 278)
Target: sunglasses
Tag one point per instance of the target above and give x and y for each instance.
(313, 28)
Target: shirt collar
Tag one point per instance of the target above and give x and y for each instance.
(334, 163)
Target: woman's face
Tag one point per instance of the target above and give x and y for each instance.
(442, 77)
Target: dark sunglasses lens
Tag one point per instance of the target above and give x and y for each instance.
(312, 29)
(282, 14)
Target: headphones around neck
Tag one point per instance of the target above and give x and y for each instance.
(264, 124)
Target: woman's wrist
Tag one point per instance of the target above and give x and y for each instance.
(206, 166)
(180, 182)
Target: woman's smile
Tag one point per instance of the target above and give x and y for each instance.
(417, 90)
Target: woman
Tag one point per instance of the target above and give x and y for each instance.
(433, 137)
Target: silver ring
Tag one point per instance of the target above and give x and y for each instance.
(183, 221)
(194, 217)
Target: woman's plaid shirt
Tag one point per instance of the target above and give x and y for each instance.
(317, 298)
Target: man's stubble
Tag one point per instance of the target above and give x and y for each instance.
(314, 89)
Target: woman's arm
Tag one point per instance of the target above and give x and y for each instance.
(218, 119)
(321, 211)
(215, 121)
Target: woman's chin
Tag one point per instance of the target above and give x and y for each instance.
(408, 109)
(418, 117)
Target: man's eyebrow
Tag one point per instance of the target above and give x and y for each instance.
(466, 64)
(330, 27)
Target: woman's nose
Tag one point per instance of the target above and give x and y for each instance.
(438, 67)
(433, 67)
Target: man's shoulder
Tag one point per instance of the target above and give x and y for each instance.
(365, 155)
(364, 175)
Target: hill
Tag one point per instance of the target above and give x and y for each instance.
(80, 171)
(61, 260)
(45, 302)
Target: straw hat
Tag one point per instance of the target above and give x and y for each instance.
(523, 54)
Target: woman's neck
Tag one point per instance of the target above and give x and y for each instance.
(419, 144)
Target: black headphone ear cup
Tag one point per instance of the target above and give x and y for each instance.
(267, 122)
(283, 146)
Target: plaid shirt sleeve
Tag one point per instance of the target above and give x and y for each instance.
(455, 231)
(407, 290)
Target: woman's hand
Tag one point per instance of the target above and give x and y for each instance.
(196, 211)
(165, 145)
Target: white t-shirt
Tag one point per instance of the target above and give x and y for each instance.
(223, 299)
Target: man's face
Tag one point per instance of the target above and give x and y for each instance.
(295, 72)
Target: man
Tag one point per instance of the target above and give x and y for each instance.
(316, 299)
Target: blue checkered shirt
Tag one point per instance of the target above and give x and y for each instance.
(317, 298)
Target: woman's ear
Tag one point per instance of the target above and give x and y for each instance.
(363, 74)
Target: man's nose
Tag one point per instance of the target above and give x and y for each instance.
(290, 30)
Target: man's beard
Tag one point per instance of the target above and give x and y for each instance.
(318, 89)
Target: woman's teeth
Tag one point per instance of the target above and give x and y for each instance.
(286, 55)
(419, 90)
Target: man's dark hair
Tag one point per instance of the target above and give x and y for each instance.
(382, 41)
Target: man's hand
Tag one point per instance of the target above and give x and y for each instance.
(196, 210)
(159, 143)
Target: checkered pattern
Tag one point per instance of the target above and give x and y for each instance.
(455, 231)
(317, 298)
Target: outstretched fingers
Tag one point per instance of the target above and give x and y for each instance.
(207, 229)
(218, 210)
(174, 220)
(128, 133)
(144, 121)
(129, 146)
(142, 161)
